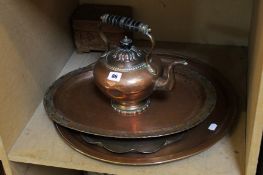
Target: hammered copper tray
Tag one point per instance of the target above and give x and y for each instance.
(193, 141)
(75, 102)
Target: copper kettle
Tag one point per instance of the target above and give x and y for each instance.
(129, 75)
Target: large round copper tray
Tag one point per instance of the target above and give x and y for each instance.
(75, 102)
(192, 141)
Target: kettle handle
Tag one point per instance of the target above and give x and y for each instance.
(128, 24)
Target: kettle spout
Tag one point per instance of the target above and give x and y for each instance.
(167, 81)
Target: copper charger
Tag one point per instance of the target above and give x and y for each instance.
(195, 137)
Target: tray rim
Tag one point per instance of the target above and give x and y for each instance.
(188, 153)
(233, 112)
(60, 119)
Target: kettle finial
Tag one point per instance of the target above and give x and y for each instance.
(126, 43)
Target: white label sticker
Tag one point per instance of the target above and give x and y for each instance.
(114, 76)
(212, 127)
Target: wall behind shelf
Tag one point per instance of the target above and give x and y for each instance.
(35, 44)
(224, 22)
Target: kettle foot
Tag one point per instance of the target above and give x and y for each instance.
(130, 108)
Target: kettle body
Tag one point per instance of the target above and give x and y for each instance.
(127, 74)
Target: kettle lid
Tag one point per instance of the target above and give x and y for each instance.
(126, 57)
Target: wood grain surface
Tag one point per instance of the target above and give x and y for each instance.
(255, 89)
(35, 44)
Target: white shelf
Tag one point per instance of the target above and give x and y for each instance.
(40, 144)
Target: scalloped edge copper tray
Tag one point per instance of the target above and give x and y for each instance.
(191, 101)
(194, 140)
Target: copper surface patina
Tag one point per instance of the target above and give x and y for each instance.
(102, 110)
(190, 141)
(74, 101)
(129, 75)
